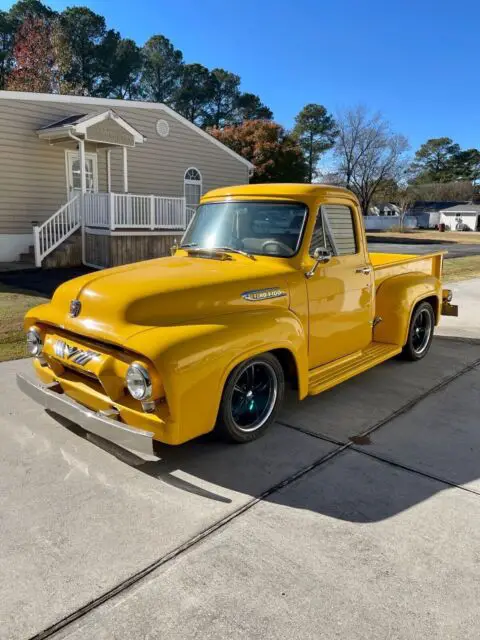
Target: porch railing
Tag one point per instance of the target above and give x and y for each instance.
(95, 208)
(128, 211)
(190, 214)
(56, 229)
(110, 211)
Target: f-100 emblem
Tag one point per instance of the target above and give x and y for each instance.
(264, 294)
(78, 356)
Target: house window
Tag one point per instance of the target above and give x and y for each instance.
(192, 187)
(74, 181)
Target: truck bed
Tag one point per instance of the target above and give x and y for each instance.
(387, 265)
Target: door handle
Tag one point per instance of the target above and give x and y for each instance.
(364, 270)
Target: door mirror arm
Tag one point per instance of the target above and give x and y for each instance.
(321, 256)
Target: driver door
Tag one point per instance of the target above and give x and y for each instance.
(340, 293)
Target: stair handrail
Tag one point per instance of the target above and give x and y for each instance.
(56, 229)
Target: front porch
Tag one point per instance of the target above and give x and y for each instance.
(110, 228)
(114, 228)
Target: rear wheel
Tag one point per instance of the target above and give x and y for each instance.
(251, 398)
(420, 333)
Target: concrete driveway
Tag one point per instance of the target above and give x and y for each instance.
(357, 516)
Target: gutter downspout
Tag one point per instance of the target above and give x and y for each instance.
(83, 182)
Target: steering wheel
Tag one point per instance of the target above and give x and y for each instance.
(283, 247)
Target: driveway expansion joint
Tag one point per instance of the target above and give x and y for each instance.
(405, 467)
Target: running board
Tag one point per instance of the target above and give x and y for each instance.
(334, 373)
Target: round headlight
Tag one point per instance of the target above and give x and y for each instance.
(34, 342)
(138, 382)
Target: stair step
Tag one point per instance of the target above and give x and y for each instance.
(332, 374)
(28, 258)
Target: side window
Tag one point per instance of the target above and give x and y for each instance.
(339, 229)
(320, 238)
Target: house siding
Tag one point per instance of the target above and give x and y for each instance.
(33, 172)
(158, 165)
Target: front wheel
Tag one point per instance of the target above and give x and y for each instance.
(251, 398)
(420, 333)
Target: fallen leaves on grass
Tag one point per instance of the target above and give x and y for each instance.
(14, 303)
(456, 269)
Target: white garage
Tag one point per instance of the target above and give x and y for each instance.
(462, 217)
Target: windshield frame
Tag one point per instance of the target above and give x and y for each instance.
(257, 201)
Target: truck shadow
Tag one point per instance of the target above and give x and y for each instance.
(428, 446)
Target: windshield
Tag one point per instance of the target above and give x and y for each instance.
(261, 228)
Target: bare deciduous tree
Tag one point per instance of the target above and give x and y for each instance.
(367, 153)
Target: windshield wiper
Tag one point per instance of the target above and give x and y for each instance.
(198, 249)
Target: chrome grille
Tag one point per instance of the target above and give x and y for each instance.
(74, 354)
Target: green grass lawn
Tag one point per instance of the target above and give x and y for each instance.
(13, 306)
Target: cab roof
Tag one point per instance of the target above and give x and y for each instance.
(280, 189)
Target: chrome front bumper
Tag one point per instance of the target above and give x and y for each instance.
(91, 421)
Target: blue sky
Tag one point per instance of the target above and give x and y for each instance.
(415, 61)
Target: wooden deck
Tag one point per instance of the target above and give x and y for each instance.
(110, 248)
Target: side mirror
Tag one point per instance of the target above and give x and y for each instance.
(321, 256)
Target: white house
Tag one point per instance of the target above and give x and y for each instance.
(462, 217)
(385, 209)
(122, 178)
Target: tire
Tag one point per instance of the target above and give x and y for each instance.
(420, 332)
(251, 399)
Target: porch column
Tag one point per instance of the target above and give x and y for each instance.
(125, 170)
(109, 171)
(81, 159)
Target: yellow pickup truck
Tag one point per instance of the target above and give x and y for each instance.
(271, 285)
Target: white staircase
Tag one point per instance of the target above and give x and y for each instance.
(50, 235)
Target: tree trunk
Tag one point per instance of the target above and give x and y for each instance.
(365, 204)
(310, 160)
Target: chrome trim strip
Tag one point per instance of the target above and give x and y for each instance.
(93, 422)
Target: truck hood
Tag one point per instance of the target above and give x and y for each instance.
(118, 303)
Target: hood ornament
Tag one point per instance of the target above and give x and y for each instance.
(75, 308)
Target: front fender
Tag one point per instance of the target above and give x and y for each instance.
(395, 300)
(195, 359)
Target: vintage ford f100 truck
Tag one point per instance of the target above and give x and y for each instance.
(271, 285)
